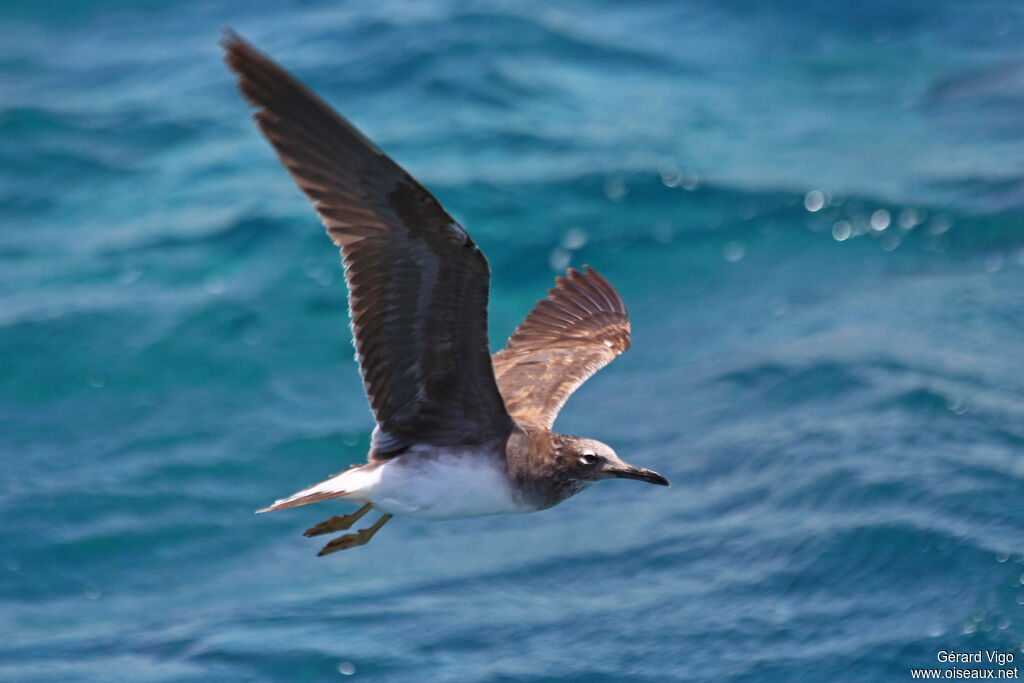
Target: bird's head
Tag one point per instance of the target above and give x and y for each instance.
(587, 461)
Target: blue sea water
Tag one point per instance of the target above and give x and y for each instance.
(815, 213)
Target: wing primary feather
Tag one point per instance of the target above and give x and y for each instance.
(418, 285)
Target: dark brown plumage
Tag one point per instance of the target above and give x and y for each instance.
(474, 436)
(418, 284)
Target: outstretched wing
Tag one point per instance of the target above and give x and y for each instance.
(417, 282)
(580, 328)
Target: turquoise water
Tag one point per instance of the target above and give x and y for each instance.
(836, 394)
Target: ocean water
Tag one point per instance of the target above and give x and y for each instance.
(814, 213)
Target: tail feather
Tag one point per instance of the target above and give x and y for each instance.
(302, 498)
(333, 487)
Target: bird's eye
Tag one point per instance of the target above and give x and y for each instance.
(588, 459)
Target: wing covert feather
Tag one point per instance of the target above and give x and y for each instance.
(578, 329)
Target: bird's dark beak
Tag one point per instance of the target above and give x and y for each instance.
(630, 472)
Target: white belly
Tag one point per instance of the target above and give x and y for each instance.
(441, 485)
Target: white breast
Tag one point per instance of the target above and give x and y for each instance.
(428, 483)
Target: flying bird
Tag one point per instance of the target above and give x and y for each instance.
(459, 432)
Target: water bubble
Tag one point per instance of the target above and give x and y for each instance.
(937, 244)
(909, 218)
(890, 241)
(958, 405)
(841, 231)
(346, 668)
(97, 382)
(663, 233)
(574, 238)
(92, 592)
(615, 189)
(747, 210)
(312, 269)
(814, 201)
(733, 251)
(994, 263)
(636, 162)
(778, 307)
(970, 627)
(880, 220)
(940, 224)
(559, 260)
(860, 225)
(936, 631)
(670, 175)
(1002, 557)
(689, 180)
(1003, 624)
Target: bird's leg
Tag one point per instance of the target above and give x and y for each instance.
(361, 537)
(337, 523)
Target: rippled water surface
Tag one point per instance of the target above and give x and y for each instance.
(815, 215)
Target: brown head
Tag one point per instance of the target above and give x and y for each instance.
(585, 461)
(549, 468)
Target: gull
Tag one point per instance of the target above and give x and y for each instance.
(459, 432)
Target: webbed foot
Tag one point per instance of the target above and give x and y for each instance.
(337, 523)
(361, 537)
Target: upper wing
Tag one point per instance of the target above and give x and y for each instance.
(418, 284)
(580, 328)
